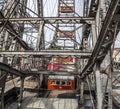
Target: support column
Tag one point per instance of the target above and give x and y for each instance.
(109, 90)
(107, 62)
(21, 89)
(98, 87)
(40, 7)
(39, 39)
(40, 79)
(3, 77)
(81, 93)
(94, 35)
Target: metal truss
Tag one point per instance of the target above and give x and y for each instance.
(104, 40)
(48, 53)
(51, 20)
(10, 70)
(100, 26)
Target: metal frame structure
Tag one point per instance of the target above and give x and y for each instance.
(100, 26)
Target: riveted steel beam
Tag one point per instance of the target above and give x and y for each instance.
(51, 20)
(49, 52)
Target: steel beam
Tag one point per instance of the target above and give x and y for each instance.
(51, 20)
(40, 36)
(98, 87)
(48, 52)
(21, 90)
(93, 7)
(9, 26)
(13, 71)
(40, 7)
(100, 41)
(10, 70)
(47, 72)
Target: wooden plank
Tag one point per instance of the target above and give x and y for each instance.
(26, 102)
(49, 103)
(11, 84)
(74, 104)
(61, 103)
(42, 103)
(30, 105)
(46, 103)
(54, 103)
(37, 102)
(68, 104)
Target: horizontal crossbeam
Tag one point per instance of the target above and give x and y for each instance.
(10, 70)
(47, 72)
(52, 20)
(48, 52)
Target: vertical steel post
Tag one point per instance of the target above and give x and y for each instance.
(21, 89)
(39, 45)
(40, 39)
(82, 93)
(98, 86)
